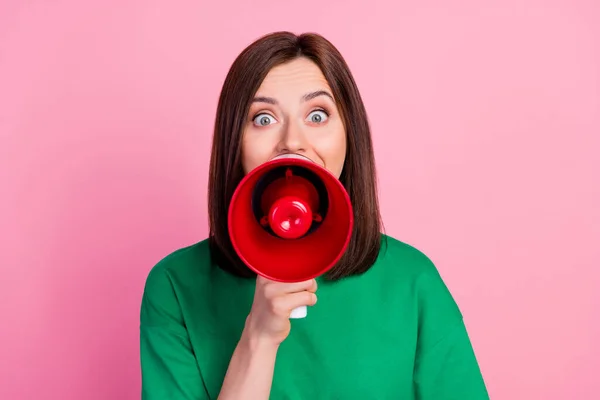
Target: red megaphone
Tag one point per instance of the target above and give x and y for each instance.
(290, 220)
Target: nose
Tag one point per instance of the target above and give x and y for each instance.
(293, 139)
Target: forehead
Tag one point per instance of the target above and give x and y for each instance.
(295, 78)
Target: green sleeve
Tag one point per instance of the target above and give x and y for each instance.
(445, 367)
(169, 369)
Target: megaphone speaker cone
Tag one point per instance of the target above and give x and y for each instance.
(290, 220)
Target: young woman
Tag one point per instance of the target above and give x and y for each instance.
(385, 326)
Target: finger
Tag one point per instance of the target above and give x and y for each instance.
(294, 286)
(262, 280)
(273, 288)
(283, 305)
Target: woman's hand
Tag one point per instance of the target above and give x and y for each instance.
(250, 371)
(269, 318)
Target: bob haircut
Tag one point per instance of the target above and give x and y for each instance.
(358, 174)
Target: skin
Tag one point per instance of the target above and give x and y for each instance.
(293, 113)
(282, 121)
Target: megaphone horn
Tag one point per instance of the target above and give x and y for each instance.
(290, 220)
(290, 202)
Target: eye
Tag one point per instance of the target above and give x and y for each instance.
(318, 116)
(263, 120)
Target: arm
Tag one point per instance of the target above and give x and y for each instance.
(169, 369)
(250, 370)
(445, 367)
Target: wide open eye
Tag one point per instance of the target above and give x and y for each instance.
(264, 120)
(318, 117)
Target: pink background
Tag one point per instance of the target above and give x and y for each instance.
(486, 120)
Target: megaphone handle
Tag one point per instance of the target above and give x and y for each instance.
(299, 312)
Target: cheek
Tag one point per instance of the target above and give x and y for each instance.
(331, 148)
(255, 151)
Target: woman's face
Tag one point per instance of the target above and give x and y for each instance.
(293, 112)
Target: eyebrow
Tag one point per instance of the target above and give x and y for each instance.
(312, 95)
(306, 97)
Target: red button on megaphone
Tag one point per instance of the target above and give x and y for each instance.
(290, 220)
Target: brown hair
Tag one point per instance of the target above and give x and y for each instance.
(358, 175)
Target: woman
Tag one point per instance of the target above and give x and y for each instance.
(385, 326)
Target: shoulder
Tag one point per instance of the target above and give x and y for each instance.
(183, 263)
(175, 273)
(401, 263)
(398, 258)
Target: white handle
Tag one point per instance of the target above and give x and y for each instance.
(299, 312)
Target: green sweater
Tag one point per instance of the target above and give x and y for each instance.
(394, 332)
